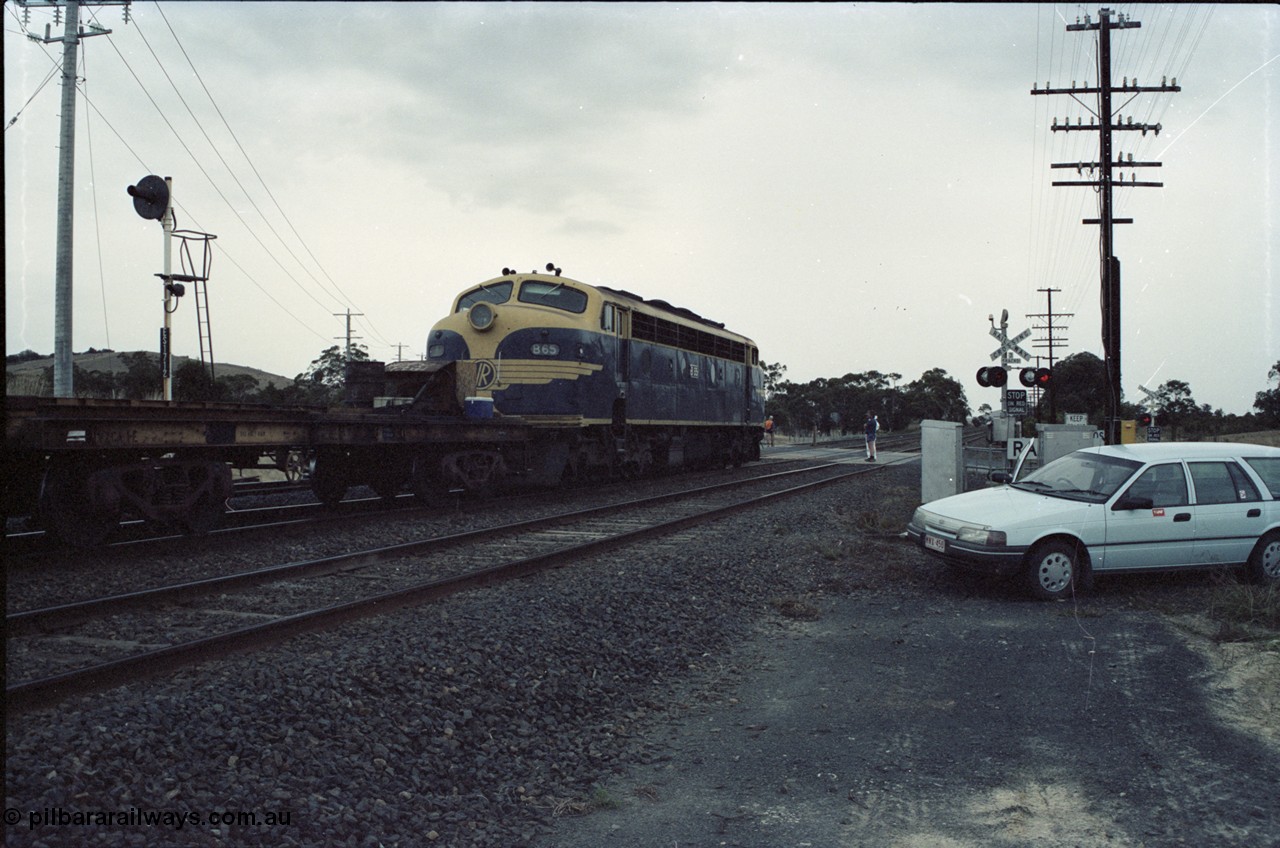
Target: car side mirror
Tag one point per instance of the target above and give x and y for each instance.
(1131, 502)
(1000, 477)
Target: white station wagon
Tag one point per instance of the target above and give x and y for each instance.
(1117, 508)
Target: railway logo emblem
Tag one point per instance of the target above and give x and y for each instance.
(486, 374)
(491, 375)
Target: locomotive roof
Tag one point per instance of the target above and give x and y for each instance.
(655, 304)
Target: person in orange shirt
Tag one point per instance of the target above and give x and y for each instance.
(768, 429)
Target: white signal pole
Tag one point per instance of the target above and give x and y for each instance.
(63, 365)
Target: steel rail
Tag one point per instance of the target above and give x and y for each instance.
(44, 692)
(27, 621)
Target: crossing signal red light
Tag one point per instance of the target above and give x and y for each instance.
(1031, 377)
(1144, 419)
(992, 377)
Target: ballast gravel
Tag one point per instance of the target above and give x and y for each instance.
(474, 722)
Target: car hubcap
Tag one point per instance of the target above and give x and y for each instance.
(1271, 560)
(1055, 572)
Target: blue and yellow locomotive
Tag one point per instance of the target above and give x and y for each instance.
(610, 384)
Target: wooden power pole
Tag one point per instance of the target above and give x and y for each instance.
(1103, 178)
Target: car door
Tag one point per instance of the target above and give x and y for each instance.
(1159, 536)
(1229, 511)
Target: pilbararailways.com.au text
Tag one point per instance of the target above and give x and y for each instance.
(135, 817)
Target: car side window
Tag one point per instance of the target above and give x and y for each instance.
(1221, 482)
(1268, 469)
(1165, 485)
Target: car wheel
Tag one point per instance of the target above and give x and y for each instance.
(1053, 569)
(1264, 562)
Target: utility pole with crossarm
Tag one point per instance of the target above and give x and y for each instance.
(73, 33)
(1105, 123)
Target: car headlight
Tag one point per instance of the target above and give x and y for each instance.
(481, 316)
(980, 536)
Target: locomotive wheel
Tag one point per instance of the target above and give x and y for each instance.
(70, 510)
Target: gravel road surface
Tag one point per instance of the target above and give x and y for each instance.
(946, 721)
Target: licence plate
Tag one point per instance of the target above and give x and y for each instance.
(934, 543)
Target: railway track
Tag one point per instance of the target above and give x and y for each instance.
(143, 633)
(245, 512)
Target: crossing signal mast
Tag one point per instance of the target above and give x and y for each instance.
(1103, 179)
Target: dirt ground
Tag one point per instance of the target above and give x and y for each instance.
(924, 708)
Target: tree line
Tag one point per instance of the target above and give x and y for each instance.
(836, 404)
(840, 404)
(322, 384)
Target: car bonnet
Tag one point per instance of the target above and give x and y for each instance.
(1006, 506)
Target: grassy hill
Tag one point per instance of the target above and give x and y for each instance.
(28, 378)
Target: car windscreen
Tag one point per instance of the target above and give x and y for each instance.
(557, 295)
(1082, 476)
(492, 293)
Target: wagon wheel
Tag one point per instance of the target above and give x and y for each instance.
(207, 510)
(77, 509)
(386, 487)
(329, 479)
(204, 515)
(295, 466)
(426, 480)
(481, 472)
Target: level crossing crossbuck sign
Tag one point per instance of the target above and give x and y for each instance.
(1009, 347)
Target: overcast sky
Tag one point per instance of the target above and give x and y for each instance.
(855, 187)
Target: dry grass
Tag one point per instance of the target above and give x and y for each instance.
(600, 800)
(1246, 611)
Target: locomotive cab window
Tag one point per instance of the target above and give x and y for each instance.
(496, 293)
(607, 317)
(556, 295)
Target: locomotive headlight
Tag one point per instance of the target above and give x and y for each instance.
(545, 349)
(436, 351)
(482, 316)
